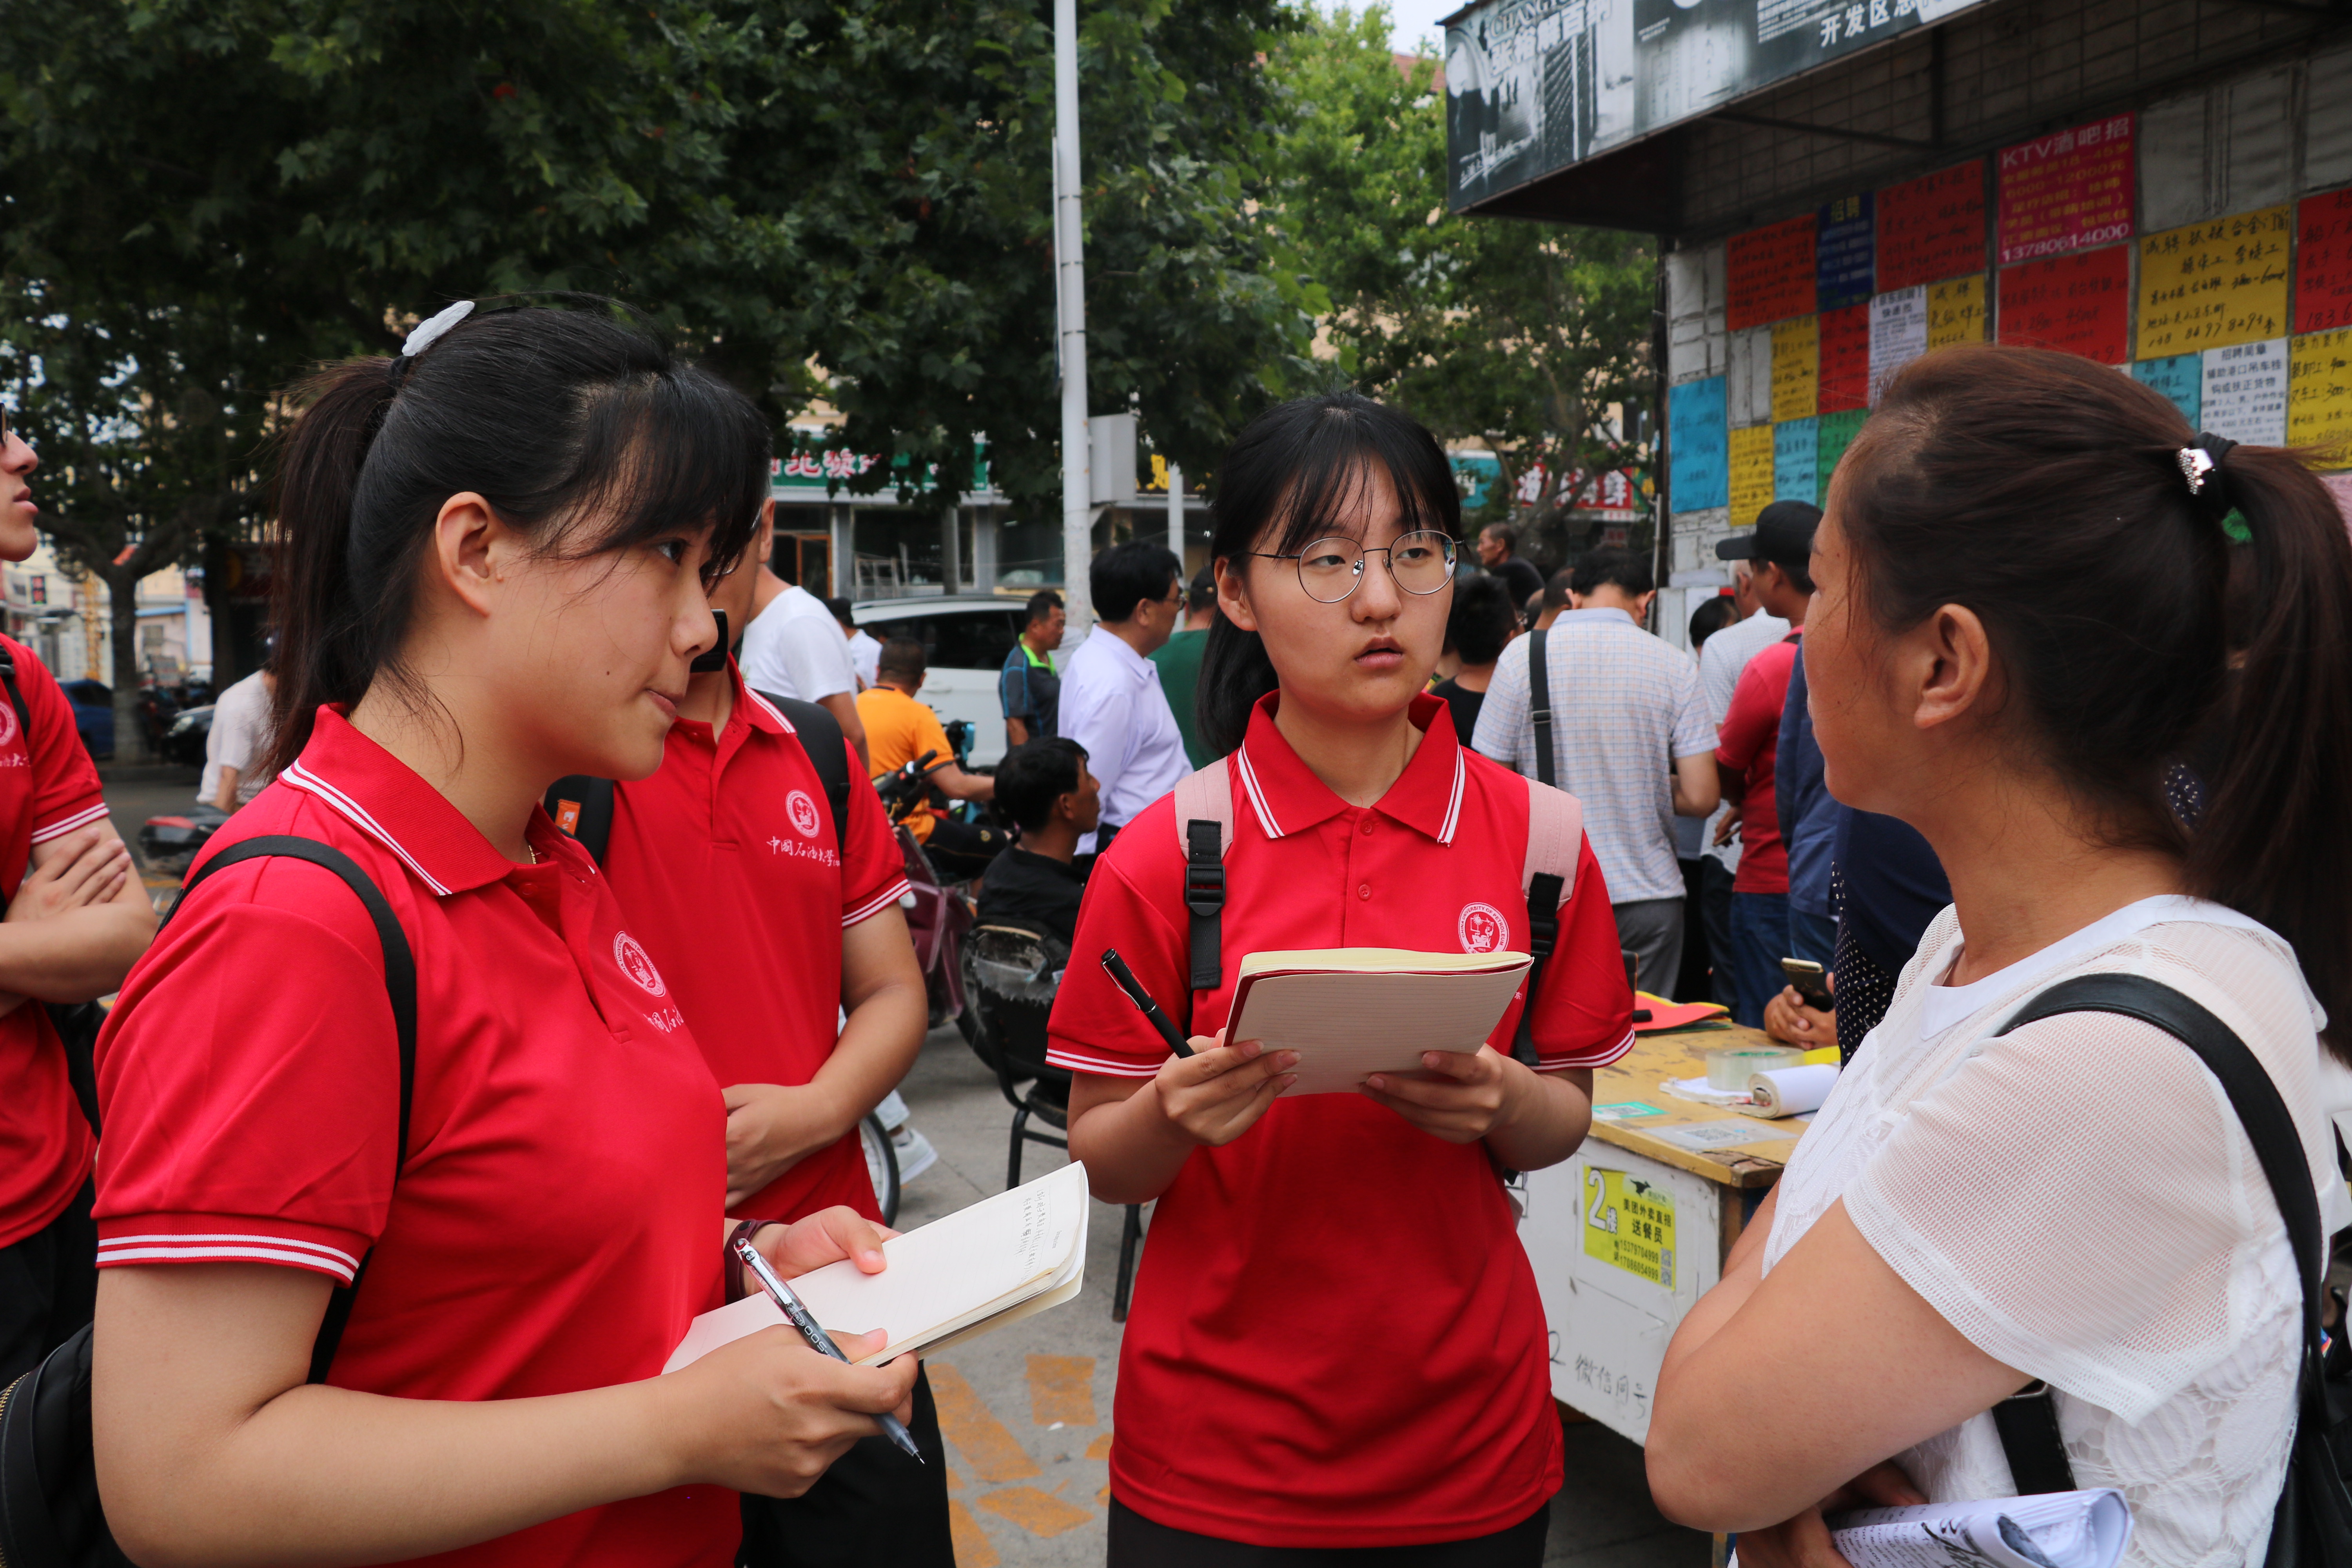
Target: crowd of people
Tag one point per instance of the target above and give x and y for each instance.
(384, 1255)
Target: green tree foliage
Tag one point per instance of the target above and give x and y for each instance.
(1534, 338)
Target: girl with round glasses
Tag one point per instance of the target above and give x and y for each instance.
(1336, 1341)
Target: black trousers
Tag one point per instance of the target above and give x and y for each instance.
(48, 1287)
(1137, 1543)
(875, 1505)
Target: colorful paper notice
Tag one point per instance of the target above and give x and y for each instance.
(2079, 303)
(1898, 334)
(1771, 274)
(1842, 253)
(1932, 227)
(2207, 285)
(1796, 368)
(2067, 190)
(2323, 262)
(1629, 1224)
(2180, 378)
(2244, 393)
(1794, 473)
(1846, 359)
(1751, 473)
(1835, 434)
(1696, 459)
(2319, 396)
(1956, 310)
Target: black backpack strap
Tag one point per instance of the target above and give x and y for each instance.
(1543, 934)
(400, 985)
(821, 737)
(16, 696)
(1540, 710)
(583, 807)
(1205, 895)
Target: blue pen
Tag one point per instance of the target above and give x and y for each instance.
(797, 1314)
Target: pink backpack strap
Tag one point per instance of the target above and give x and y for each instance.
(1204, 836)
(1555, 840)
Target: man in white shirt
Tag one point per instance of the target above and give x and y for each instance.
(792, 646)
(1111, 703)
(864, 653)
(1727, 653)
(240, 733)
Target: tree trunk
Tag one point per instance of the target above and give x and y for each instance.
(122, 606)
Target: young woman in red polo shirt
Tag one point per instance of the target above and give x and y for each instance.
(497, 550)
(1336, 1341)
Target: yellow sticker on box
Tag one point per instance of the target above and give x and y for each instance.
(1629, 1224)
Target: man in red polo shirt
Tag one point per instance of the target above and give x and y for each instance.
(727, 865)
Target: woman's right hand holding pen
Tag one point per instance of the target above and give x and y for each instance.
(1215, 1095)
(768, 1414)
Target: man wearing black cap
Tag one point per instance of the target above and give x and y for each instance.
(1780, 549)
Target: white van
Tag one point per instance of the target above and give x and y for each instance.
(965, 637)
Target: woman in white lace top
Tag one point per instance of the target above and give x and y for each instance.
(2030, 604)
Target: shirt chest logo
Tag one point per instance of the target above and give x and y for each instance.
(798, 806)
(637, 964)
(9, 728)
(1482, 929)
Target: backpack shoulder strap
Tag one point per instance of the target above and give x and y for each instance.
(1539, 707)
(400, 985)
(1205, 836)
(820, 736)
(1555, 840)
(583, 807)
(15, 695)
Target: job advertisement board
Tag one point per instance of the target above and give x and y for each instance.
(1532, 86)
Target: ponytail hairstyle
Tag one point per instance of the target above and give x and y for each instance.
(582, 431)
(1291, 476)
(2051, 497)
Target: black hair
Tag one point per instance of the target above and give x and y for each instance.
(1482, 620)
(1201, 596)
(1555, 588)
(1711, 616)
(1628, 569)
(2044, 492)
(1287, 479)
(902, 657)
(583, 430)
(1129, 574)
(843, 612)
(1034, 776)
(1041, 605)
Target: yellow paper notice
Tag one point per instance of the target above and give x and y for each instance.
(2319, 395)
(1956, 310)
(2211, 285)
(1796, 369)
(1630, 1225)
(1751, 473)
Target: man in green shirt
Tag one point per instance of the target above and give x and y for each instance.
(1180, 662)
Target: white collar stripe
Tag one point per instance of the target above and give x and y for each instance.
(1257, 796)
(303, 778)
(1454, 805)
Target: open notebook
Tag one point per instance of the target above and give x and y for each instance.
(997, 1262)
(1353, 1011)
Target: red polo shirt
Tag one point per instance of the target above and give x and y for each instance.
(725, 864)
(557, 1222)
(48, 788)
(1336, 1339)
(1749, 742)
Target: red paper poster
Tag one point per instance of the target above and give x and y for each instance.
(2070, 190)
(1771, 274)
(2079, 303)
(1846, 359)
(2323, 263)
(1932, 227)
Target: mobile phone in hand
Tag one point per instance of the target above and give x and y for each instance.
(1811, 984)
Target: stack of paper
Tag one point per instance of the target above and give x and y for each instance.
(1002, 1259)
(2051, 1530)
(1350, 1012)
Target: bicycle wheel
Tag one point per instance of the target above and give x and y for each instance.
(882, 1165)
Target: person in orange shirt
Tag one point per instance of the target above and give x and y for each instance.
(897, 731)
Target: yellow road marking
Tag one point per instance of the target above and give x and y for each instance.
(1060, 1388)
(973, 1547)
(1039, 1513)
(1100, 1447)
(992, 1451)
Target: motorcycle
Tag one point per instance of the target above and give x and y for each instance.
(938, 914)
(172, 843)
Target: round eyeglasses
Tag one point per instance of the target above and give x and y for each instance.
(1331, 568)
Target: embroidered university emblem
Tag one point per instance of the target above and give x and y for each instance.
(803, 811)
(1482, 929)
(7, 724)
(636, 963)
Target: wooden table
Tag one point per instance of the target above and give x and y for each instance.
(1627, 1234)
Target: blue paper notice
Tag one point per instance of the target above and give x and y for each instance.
(2181, 378)
(1843, 252)
(1698, 444)
(1795, 473)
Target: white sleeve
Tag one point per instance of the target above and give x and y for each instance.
(762, 660)
(1694, 726)
(1099, 726)
(818, 656)
(1505, 710)
(238, 727)
(1718, 677)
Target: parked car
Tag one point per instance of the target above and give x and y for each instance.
(965, 637)
(93, 709)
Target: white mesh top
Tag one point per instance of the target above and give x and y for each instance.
(2078, 1199)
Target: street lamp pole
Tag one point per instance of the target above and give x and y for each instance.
(1070, 316)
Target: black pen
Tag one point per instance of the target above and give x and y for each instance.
(1124, 978)
(797, 1314)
